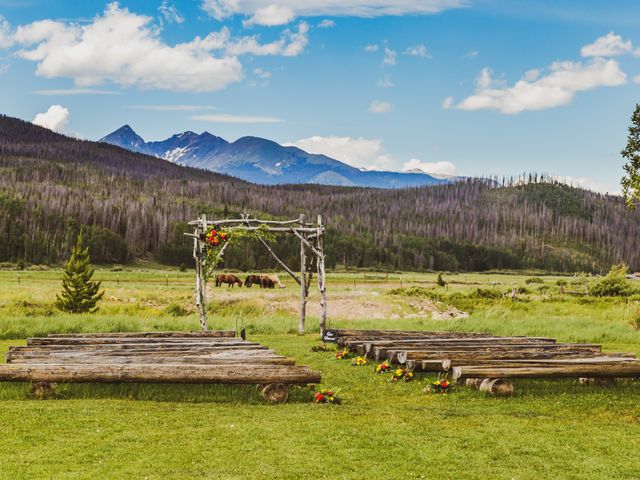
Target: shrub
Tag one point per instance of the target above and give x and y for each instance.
(486, 293)
(614, 284)
(440, 281)
(561, 283)
(533, 280)
(175, 310)
(523, 290)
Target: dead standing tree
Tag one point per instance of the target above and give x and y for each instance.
(311, 236)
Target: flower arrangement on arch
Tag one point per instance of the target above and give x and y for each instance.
(402, 374)
(326, 396)
(384, 367)
(342, 354)
(439, 386)
(359, 362)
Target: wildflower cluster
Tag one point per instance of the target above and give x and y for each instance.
(326, 396)
(383, 367)
(439, 386)
(344, 353)
(402, 374)
(359, 362)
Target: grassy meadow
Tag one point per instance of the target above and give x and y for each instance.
(549, 429)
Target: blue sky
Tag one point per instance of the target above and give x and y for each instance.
(471, 87)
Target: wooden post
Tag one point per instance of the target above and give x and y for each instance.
(201, 283)
(322, 286)
(303, 283)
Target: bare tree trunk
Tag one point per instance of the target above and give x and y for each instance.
(303, 284)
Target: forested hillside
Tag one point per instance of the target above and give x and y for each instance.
(136, 206)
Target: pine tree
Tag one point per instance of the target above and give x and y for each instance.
(79, 293)
(631, 181)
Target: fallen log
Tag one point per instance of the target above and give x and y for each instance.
(417, 344)
(208, 334)
(565, 371)
(228, 374)
(426, 335)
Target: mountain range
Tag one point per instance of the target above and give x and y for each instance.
(263, 161)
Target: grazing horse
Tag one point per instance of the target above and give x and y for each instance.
(227, 278)
(251, 279)
(266, 282)
(273, 279)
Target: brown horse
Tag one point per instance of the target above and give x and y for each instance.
(266, 282)
(227, 278)
(251, 279)
(272, 281)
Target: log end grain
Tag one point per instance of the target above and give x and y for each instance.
(275, 393)
(498, 387)
(42, 390)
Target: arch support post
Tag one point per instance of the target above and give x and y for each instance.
(201, 279)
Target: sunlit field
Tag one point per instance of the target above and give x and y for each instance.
(549, 429)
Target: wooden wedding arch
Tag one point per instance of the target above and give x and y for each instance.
(311, 236)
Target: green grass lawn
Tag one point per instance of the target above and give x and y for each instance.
(549, 429)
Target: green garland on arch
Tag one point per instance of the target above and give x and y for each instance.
(216, 239)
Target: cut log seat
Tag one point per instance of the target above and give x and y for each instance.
(151, 359)
(401, 356)
(616, 370)
(208, 334)
(128, 340)
(153, 373)
(443, 365)
(148, 346)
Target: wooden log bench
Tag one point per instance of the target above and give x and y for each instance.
(153, 357)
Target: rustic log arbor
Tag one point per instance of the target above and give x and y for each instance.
(311, 236)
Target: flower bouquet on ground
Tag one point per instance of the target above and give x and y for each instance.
(402, 374)
(359, 362)
(384, 367)
(438, 386)
(326, 396)
(344, 353)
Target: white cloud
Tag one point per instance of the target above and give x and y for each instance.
(636, 79)
(357, 152)
(260, 73)
(378, 106)
(74, 91)
(227, 118)
(327, 23)
(385, 82)
(371, 48)
(418, 51)
(55, 118)
(609, 45)
(432, 168)
(390, 57)
(126, 49)
(290, 43)
(535, 92)
(447, 103)
(170, 13)
(221, 9)
(170, 108)
(271, 15)
(6, 37)
(471, 54)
